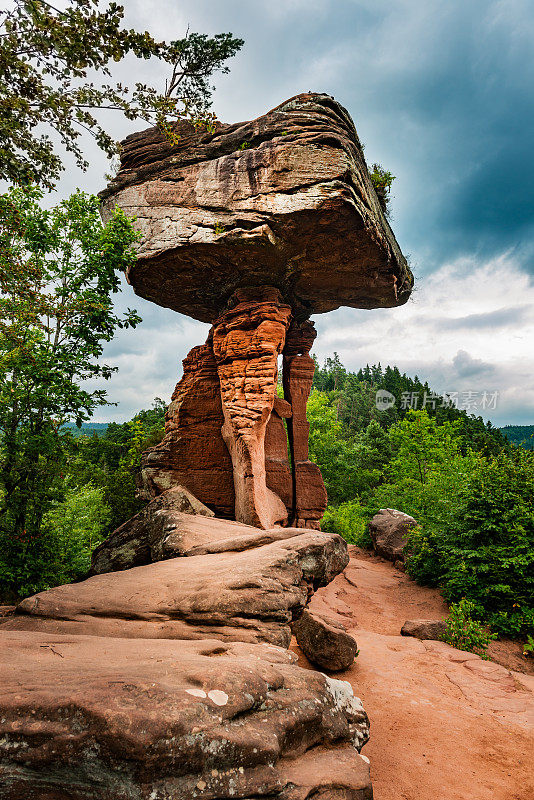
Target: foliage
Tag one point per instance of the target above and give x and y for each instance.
(58, 272)
(483, 549)
(464, 632)
(71, 529)
(522, 435)
(112, 460)
(349, 466)
(528, 646)
(382, 181)
(349, 520)
(50, 59)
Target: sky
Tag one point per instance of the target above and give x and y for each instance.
(442, 95)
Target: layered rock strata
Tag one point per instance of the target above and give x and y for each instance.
(225, 437)
(249, 595)
(172, 680)
(247, 340)
(284, 200)
(115, 719)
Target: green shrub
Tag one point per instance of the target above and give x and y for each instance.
(350, 521)
(466, 633)
(71, 529)
(486, 550)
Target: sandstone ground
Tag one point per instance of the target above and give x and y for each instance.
(444, 723)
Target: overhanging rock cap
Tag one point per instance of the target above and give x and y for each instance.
(284, 200)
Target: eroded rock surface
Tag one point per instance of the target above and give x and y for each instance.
(145, 537)
(250, 596)
(388, 530)
(193, 452)
(115, 719)
(285, 200)
(160, 532)
(247, 340)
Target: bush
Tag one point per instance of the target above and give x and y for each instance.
(486, 551)
(71, 529)
(350, 521)
(464, 632)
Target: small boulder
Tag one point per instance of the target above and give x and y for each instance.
(424, 628)
(324, 641)
(133, 543)
(388, 530)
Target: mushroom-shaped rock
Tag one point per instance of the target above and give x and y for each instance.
(253, 227)
(284, 200)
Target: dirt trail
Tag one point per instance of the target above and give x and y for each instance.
(445, 725)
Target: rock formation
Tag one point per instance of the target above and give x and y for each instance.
(324, 641)
(172, 679)
(254, 227)
(165, 675)
(87, 718)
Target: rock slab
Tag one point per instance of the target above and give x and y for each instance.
(116, 719)
(284, 200)
(249, 595)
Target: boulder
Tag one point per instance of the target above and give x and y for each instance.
(284, 200)
(324, 641)
(388, 530)
(424, 628)
(250, 596)
(135, 542)
(117, 719)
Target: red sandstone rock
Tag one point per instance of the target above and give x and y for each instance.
(249, 596)
(136, 541)
(162, 531)
(247, 340)
(277, 467)
(324, 641)
(295, 209)
(310, 498)
(193, 452)
(114, 719)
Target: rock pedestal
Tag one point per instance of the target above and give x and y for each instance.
(254, 227)
(225, 437)
(166, 673)
(247, 340)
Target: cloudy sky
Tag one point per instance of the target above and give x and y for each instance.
(442, 95)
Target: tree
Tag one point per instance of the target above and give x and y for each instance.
(49, 60)
(58, 272)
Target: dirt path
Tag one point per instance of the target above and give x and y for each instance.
(445, 725)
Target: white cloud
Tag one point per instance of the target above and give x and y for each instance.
(423, 338)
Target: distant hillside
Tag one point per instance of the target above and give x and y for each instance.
(520, 435)
(88, 428)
